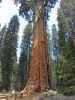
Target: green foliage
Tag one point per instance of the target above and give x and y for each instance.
(9, 52)
(0, 72)
(68, 11)
(25, 56)
(34, 6)
(66, 77)
(14, 71)
(54, 40)
(68, 90)
(66, 66)
(2, 35)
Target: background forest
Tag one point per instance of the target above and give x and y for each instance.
(61, 48)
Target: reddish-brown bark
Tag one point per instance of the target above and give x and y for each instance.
(38, 77)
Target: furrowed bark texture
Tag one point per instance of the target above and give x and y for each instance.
(38, 76)
(39, 65)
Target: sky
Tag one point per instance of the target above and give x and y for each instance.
(8, 9)
(53, 17)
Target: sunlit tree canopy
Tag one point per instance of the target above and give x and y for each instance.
(29, 7)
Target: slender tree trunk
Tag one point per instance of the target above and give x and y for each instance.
(28, 59)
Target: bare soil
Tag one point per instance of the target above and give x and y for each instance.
(38, 97)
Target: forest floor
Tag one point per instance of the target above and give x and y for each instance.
(41, 96)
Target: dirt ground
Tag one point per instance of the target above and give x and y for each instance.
(37, 97)
(48, 98)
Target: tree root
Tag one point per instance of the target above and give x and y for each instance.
(30, 90)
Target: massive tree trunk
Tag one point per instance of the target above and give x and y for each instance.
(39, 65)
(38, 77)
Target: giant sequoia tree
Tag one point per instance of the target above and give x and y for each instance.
(37, 11)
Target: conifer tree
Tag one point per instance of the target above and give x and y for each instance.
(25, 56)
(66, 69)
(37, 12)
(2, 35)
(9, 52)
